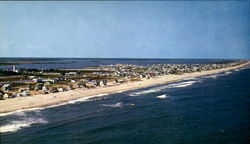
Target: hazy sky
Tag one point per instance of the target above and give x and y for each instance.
(139, 29)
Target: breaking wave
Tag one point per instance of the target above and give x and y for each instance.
(182, 84)
(117, 105)
(84, 99)
(17, 125)
(143, 92)
(228, 72)
(162, 96)
(214, 76)
(20, 112)
(175, 85)
(78, 100)
(23, 120)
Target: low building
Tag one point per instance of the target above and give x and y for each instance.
(6, 87)
(1, 95)
(38, 80)
(71, 74)
(53, 90)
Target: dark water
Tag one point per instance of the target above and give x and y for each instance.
(205, 110)
(52, 63)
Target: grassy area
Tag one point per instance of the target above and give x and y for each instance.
(8, 73)
(12, 78)
(135, 79)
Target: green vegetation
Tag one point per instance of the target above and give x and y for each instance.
(135, 79)
(8, 73)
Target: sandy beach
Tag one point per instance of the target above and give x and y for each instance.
(42, 100)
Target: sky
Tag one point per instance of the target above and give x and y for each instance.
(125, 29)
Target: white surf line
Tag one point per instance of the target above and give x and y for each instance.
(228, 72)
(156, 89)
(84, 99)
(117, 105)
(19, 124)
(22, 110)
(214, 76)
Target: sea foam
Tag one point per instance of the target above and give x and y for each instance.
(214, 76)
(159, 88)
(84, 99)
(228, 72)
(162, 96)
(117, 105)
(19, 124)
(20, 112)
(182, 84)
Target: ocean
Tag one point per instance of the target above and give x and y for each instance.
(200, 110)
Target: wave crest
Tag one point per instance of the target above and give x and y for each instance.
(17, 125)
(162, 96)
(117, 105)
(175, 85)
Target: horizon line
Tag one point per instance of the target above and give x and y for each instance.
(124, 58)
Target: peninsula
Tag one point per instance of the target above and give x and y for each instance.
(30, 88)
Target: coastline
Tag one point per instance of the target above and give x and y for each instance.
(43, 100)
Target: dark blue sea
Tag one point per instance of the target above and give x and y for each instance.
(213, 109)
(202, 110)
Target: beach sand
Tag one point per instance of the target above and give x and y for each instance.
(42, 100)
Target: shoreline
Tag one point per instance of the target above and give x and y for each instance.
(46, 100)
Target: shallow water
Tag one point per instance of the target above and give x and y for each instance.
(196, 110)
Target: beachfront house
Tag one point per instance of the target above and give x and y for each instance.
(6, 87)
(1, 95)
(38, 80)
(71, 74)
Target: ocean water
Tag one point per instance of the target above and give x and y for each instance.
(56, 63)
(202, 110)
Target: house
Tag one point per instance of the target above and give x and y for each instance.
(53, 90)
(103, 82)
(44, 88)
(1, 95)
(81, 84)
(90, 85)
(13, 95)
(71, 74)
(119, 81)
(25, 93)
(61, 89)
(5, 96)
(69, 87)
(22, 89)
(6, 87)
(60, 79)
(37, 80)
(38, 86)
(50, 81)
